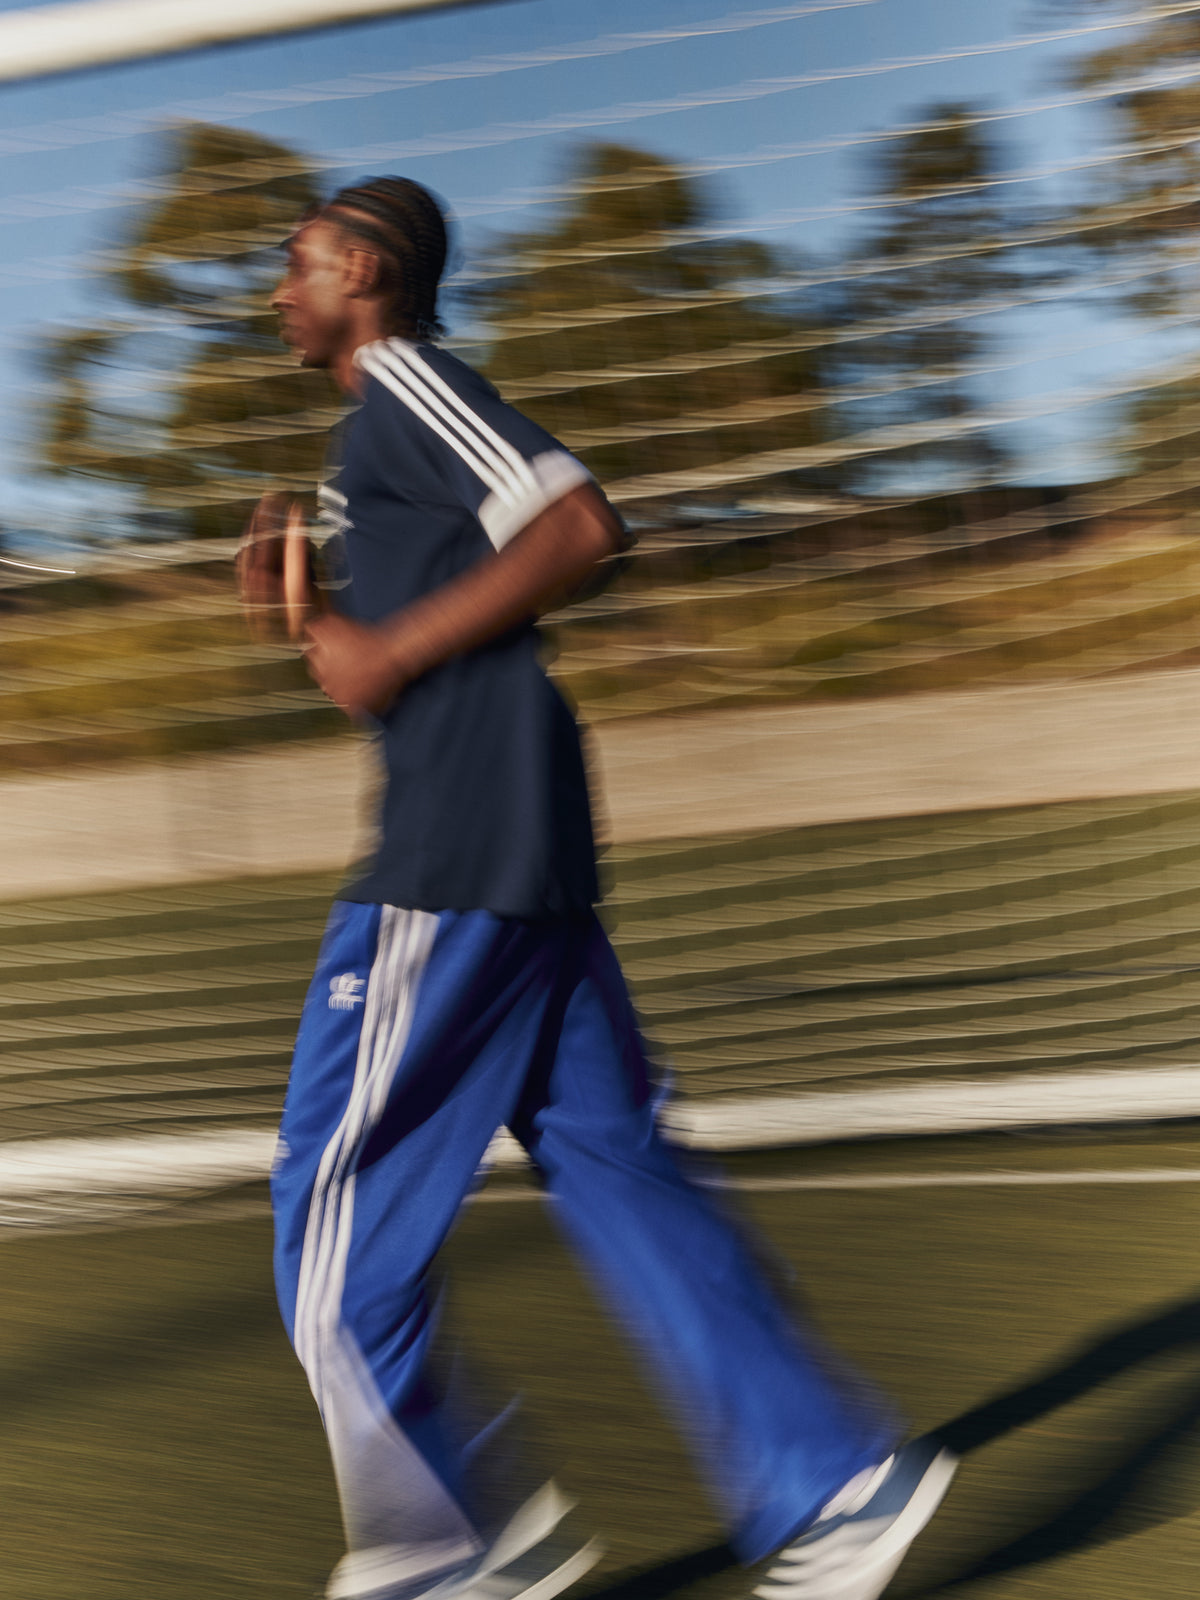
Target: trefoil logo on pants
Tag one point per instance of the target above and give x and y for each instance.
(344, 992)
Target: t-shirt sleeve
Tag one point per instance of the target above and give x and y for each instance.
(462, 436)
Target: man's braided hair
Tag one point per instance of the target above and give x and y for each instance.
(407, 225)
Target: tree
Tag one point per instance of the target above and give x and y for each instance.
(1144, 207)
(180, 398)
(1137, 216)
(634, 332)
(928, 251)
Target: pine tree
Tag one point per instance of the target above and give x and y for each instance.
(181, 395)
(643, 338)
(928, 253)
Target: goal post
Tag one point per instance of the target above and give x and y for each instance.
(41, 41)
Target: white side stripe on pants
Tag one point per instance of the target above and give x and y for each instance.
(398, 1513)
(402, 952)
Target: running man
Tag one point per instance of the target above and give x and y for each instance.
(465, 985)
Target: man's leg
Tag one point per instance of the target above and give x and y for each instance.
(412, 1050)
(778, 1428)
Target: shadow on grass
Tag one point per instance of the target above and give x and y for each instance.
(80, 1361)
(665, 1578)
(1096, 1512)
(1132, 1495)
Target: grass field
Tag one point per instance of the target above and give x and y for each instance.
(158, 1439)
(157, 1436)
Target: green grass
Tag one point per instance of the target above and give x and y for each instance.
(158, 1439)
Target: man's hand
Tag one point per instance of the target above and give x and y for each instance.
(353, 663)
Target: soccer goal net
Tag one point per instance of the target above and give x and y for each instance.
(877, 319)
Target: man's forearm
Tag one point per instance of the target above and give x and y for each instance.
(549, 557)
(364, 668)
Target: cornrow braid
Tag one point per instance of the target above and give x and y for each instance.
(408, 226)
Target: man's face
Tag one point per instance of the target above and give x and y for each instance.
(314, 297)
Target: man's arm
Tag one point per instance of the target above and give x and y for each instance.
(364, 667)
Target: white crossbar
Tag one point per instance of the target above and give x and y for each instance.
(38, 41)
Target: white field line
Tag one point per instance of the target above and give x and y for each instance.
(56, 1213)
(143, 1165)
(71, 1213)
(983, 1178)
(65, 1170)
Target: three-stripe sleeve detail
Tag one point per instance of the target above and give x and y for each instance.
(440, 392)
(457, 425)
(519, 488)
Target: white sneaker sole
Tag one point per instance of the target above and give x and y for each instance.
(863, 1573)
(553, 1583)
(382, 1571)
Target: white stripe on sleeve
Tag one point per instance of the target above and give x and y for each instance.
(502, 487)
(519, 489)
(470, 422)
(556, 473)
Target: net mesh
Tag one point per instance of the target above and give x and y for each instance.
(929, 431)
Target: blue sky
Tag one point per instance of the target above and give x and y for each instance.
(498, 119)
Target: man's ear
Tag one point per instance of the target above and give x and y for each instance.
(362, 271)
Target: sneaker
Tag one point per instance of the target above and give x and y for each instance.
(858, 1541)
(521, 1563)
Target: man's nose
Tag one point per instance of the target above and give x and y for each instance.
(279, 295)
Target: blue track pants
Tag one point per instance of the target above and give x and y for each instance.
(422, 1035)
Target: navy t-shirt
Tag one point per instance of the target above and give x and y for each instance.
(486, 804)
